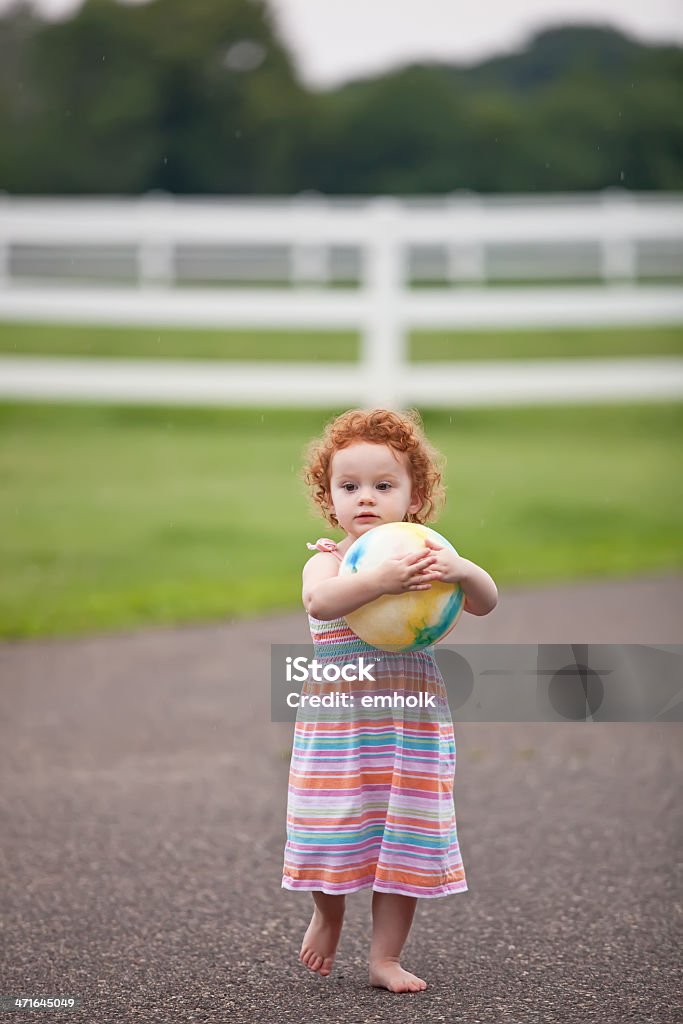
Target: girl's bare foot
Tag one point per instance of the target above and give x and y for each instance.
(321, 941)
(388, 973)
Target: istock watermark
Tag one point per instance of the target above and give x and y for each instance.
(483, 683)
(355, 670)
(298, 670)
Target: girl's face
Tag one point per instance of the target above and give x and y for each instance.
(370, 485)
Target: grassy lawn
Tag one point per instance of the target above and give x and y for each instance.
(332, 346)
(116, 517)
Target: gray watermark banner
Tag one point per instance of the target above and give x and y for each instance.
(484, 683)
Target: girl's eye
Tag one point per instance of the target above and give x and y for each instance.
(384, 485)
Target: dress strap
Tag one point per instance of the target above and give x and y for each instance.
(324, 544)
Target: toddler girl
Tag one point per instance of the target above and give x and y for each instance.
(370, 798)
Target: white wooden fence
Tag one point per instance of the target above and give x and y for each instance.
(623, 229)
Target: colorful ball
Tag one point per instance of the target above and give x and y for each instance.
(408, 621)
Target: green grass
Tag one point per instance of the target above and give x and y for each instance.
(116, 517)
(332, 346)
(565, 344)
(176, 343)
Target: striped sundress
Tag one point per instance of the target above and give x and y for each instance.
(370, 793)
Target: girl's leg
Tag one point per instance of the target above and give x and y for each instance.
(322, 936)
(392, 916)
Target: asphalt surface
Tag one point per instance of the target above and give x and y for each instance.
(142, 812)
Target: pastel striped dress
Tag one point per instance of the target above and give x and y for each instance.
(370, 793)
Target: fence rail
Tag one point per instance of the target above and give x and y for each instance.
(612, 235)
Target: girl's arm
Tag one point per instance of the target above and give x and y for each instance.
(329, 596)
(326, 595)
(481, 593)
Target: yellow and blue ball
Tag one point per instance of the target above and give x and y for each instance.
(401, 622)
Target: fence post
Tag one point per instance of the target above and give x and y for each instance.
(466, 261)
(618, 247)
(5, 242)
(309, 264)
(309, 261)
(155, 262)
(383, 351)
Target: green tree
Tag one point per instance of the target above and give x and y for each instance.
(193, 97)
(200, 96)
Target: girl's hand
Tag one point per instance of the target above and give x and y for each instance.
(447, 566)
(481, 593)
(410, 572)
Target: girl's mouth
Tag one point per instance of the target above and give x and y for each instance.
(367, 515)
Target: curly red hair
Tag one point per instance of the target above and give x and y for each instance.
(401, 431)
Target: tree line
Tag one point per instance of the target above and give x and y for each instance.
(204, 98)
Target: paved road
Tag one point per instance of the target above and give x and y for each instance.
(143, 798)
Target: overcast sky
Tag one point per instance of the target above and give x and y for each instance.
(334, 40)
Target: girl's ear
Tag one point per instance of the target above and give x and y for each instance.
(415, 503)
